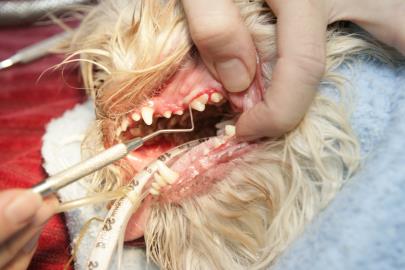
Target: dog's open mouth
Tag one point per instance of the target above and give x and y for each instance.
(214, 112)
(209, 111)
(191, 86)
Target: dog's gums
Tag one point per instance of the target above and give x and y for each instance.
(225, 204)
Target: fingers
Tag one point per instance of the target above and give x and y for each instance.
(19, 247)
(17, 209)
(22, 261)
(22, 214)
(385, 20)
(25, 239)
(223, 41)
(301, 31)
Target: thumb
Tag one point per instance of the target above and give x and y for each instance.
(223, 41)
(18, 208)
(301, 29)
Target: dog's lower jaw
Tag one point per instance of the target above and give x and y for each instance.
(261, 205)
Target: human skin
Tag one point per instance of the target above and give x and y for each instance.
(22, 216)
(228, 51)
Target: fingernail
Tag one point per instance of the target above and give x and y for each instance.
(23, 207)
(233, 75)
(32, 243)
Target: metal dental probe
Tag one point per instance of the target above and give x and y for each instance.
(34, 51)
(53, 183)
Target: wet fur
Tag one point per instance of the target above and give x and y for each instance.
(254, 213)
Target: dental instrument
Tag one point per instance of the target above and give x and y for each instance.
(35, 51)
(110, 237)
(53, 183)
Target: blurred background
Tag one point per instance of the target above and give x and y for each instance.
(31, 95)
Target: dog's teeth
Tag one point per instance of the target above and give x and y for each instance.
(217, 142)
(124, 124)
(203, 98)
(136, 117)
(155, 186)
(179, 112)
(197, 105)
(159, 180)
(230, 130)
(168, 174)
(154, 192)
(216, 97)
(147, 115)
(167, 114)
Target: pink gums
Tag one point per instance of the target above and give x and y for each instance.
(205, 164)
(190, 82)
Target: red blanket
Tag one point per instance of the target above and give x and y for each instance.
(26, 106)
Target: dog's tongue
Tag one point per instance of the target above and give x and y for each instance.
(140, 158)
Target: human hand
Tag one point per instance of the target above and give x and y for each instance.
(22, 215)
(227, 49)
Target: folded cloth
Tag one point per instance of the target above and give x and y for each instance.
(349, 225)
(27, 104)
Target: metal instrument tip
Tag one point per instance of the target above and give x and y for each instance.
(166, 131)
(138, 142)
(6, 63)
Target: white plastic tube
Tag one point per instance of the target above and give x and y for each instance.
(115, 223)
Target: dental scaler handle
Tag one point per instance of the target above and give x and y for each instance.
(114, 153)
(74, 173)
(36, 50)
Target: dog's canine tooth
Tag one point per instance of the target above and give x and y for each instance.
(216, 97)
(167, 114)
(124, 124)
(230, 130)
(159, 180)
(136, 117)
(203, 98)
(167, 174)
(197, 105)
(147, 115)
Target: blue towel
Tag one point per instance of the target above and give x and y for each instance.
(364, 226)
